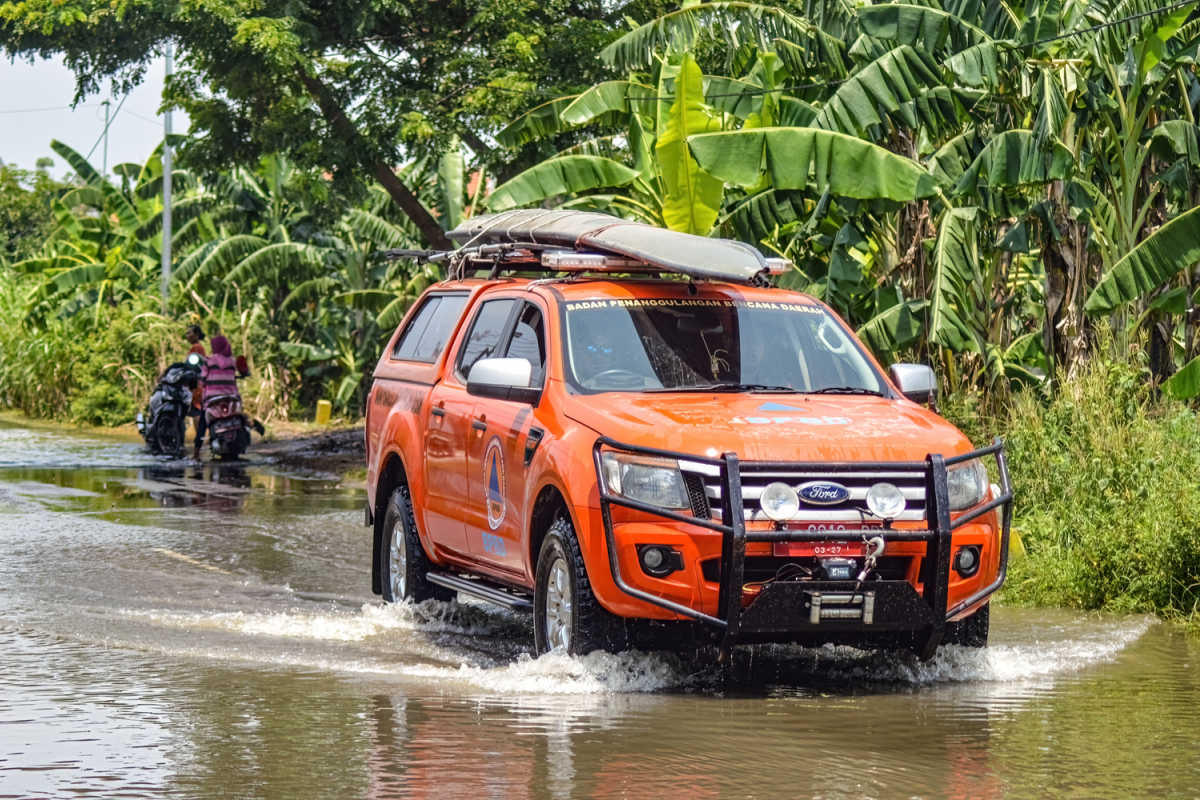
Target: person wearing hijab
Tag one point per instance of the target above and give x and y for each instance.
(218, 377)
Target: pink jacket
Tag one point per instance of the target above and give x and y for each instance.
(220, 371)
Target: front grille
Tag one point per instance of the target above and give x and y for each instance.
(696, 495)
(853, 510)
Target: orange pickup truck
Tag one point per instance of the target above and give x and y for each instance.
(628, 431)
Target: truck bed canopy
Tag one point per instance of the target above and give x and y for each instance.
(667, 250)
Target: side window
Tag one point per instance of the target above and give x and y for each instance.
(529, 342)
(486, 331)
(430, 328)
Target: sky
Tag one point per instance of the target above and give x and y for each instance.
(34, 108)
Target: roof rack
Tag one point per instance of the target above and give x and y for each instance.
(541, 240)
(528, 239)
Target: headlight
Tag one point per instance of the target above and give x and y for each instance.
(967, 484)
(656, 481)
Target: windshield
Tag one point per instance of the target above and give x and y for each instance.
(682, 344)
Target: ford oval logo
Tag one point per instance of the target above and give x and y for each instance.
(823, 493)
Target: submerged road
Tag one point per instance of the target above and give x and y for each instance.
(200, 631)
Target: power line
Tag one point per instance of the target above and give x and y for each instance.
(144, 118)
(749, 91)
(107, 125)
(46, 108)
(1103, 25)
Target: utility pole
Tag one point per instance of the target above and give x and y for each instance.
(104, 168)
(166, 219)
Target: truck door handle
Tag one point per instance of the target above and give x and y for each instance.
(437, 412)
(479, 424)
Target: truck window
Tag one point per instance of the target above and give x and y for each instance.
(487, 329)
(430, 328)
(671, 343)
(529, 342)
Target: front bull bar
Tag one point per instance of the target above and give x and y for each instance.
(935, 564)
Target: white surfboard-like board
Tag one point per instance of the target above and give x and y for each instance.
(671, 251)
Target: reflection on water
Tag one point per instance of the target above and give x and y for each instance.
(191, 630)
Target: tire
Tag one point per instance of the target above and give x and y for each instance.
(566, 615)
(403, 560)
(970, 632)
(168, 435)
(232, 447)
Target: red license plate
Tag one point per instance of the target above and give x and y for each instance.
(820, 549)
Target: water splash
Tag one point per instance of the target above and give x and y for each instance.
(372, 620)
(488, 649)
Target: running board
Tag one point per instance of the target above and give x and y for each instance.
(481, 590)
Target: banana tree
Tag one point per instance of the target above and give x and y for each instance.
(663, 183)
(106, 243)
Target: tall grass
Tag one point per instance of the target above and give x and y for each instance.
(1106, 475)
(97, 366)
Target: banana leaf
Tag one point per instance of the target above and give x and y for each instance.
(559, 176)
(955, 265)
(1159, 257)
(799, 158)
(1184, 384)
(692, 198)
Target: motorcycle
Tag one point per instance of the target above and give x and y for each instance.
(228, 426)
(227, 423)
(164, 424)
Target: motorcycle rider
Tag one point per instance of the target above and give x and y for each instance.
(218, 377)
(194, 336)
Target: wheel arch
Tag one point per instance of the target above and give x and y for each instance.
(550, 504)
(391, 475)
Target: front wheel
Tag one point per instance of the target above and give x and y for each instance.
(168, 434)
(970, 632)
(404, 561)
(566, 615)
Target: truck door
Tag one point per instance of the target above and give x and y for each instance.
(447, 431)
(497, 455)
(450, 427)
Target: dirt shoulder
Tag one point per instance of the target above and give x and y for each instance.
(335, 449)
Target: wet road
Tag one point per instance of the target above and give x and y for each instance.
(201, 631)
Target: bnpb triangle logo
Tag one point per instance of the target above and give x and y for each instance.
(493, 476)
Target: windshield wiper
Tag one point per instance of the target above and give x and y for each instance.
(845, 390)
(727, 387)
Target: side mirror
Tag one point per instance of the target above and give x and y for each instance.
(503, 379)
(916, 382)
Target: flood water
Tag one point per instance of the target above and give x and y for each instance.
(184, 630)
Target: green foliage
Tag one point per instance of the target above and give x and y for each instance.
(559, 176)
(1107, 498)
(340, 88)
(1170, 250)
(26, 211)
(691, 196)
(103, 403)
(800, 158)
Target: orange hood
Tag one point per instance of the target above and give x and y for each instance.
(771, 427)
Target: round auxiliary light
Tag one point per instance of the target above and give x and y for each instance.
(885, 500)
(966, 562)
(779, 501)
(652, 558)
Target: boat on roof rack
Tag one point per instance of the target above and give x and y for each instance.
(565, 241)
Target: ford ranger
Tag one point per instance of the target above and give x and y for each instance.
(629, 432)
